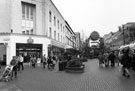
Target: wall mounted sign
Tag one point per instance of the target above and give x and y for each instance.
(30, 40)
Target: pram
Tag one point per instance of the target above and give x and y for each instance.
(7, 74)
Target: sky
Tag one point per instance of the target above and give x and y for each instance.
(103, 16)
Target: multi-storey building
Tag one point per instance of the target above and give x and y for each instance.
(124, 36)
(78, 40)
(70, 37)
(107, 39)
(31, 27)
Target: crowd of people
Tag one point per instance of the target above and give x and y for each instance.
(18, 61)
(108, 59)
(127, 60)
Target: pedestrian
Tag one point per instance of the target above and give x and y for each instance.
(21, 60)
(44, 61)
(49, 62)
(14, 63)
(33, 61)
(0, 64)
(133, 61)
(116, 57)
(126, 62)
(53, 62)
(106, 59)
(100, 58)
(112, 58)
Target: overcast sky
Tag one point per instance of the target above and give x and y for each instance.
(103, 16)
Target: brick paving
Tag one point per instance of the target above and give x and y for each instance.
(93, 79)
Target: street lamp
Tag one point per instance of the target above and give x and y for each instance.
(123, 32)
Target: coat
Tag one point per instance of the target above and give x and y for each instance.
(126, 60)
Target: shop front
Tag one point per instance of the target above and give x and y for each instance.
(56, 49)
(29, 50)
(26, 45)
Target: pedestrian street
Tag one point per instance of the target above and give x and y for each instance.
(94, 78)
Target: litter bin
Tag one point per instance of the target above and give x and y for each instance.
(61, 66)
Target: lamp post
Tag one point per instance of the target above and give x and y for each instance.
(123, 32)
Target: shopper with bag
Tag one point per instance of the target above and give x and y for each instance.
(14, 63)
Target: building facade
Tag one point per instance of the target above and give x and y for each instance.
(31, 27)
(78, 40)
(70, 37)
(124, 36)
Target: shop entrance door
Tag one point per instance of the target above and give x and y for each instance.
(28, 50)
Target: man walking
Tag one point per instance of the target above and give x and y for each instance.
(100, 58)
(21, 60)
(126, 62)
(112, 59)
(44, 61)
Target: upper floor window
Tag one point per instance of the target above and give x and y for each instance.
(63, 30)
(54, 21)
(58, 24)
(58, 37)
(61, 38)
(23, 11)
(28, 14)
(54, 34)
(61, 26)
(27, 11)
(32, 13)
(50, 16)
(50, 32)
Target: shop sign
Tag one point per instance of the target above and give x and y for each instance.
(30, 40)
(6, 39)
(94, 36)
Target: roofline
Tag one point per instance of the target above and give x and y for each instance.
(57, 9)
(69, 27)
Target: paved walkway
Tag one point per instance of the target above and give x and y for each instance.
(93, 79)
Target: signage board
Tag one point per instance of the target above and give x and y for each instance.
(94, 36)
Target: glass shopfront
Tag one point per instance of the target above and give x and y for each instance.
(53, 50)
(28, 50)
